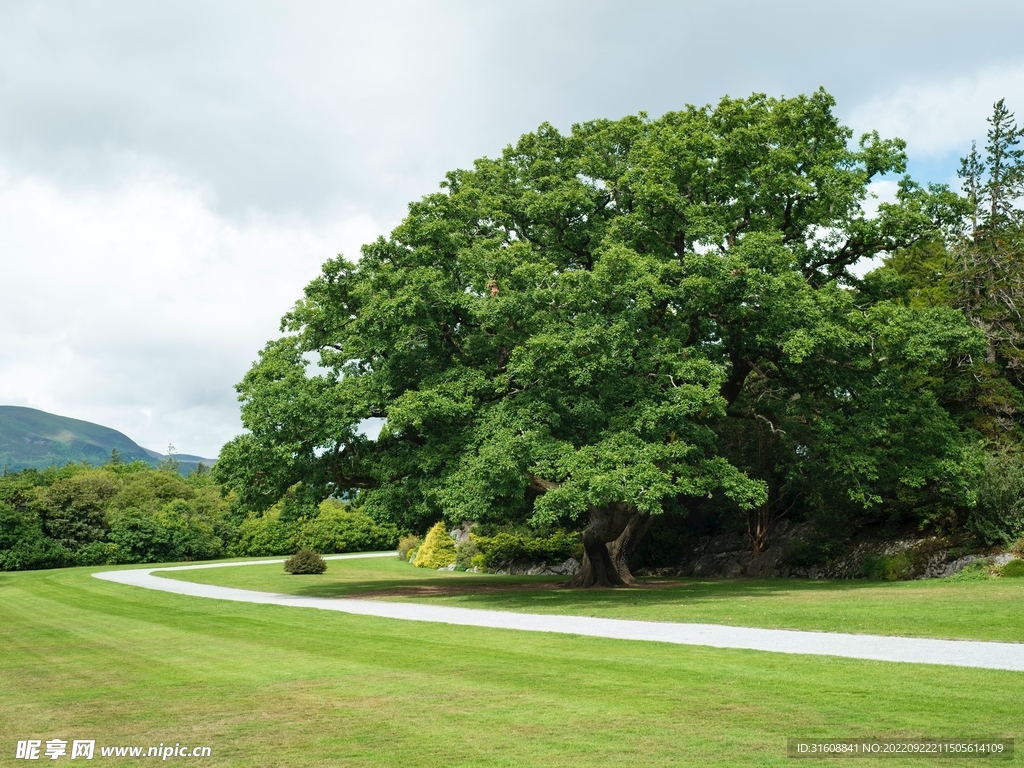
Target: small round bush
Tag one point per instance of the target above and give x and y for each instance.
(305, 561)
(1014, 569)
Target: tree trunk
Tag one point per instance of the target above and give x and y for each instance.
(608, 541)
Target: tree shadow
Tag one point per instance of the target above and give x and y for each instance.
(429, 586)
(555, 588)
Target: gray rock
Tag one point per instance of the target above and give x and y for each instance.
(461, 533)
(569, 568)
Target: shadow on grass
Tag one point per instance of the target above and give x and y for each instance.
(555, 590)
(426, 587)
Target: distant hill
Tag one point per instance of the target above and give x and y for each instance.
(186, 461)
(33, 439)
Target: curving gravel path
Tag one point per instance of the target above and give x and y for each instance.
(956, 653)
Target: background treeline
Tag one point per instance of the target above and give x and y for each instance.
(133, 513)
(889, 403)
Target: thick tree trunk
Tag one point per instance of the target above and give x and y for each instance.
(612, 535)
(624, 546)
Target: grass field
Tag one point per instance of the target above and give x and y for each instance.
(975, 610)
(279, 686)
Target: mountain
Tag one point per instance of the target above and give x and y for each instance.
(32, 439)
(186, 461)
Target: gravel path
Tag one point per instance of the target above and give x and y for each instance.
(956, 653)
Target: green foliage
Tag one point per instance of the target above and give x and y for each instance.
(97, 553)
(140, 538)
(814, 549)
(23, 545)
(562, 327)
(660, 316)
(468, 555)
(119, 513)
(998, 516)
(191, 536)
(888, 567)
(978, 268)
(505, 547)
(338, 528)
(973, 572)
(1013, 569)
(305, 561)
(407, 544)
(437, 550)
(73, 508)
(298, 503)
(262, 536)
(150, 491)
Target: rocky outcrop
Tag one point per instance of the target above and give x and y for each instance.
(907, 558)
(726, 556)
(461, 534)
(569, 568)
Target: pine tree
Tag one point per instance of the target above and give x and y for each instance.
(987, 273)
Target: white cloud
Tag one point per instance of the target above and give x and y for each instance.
(135, 290)
(139, 307)
(941, 117)
(882, 191)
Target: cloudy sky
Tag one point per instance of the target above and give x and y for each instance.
(172, 174)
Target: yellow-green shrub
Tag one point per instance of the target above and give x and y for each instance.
(437, 550)
(407, 544)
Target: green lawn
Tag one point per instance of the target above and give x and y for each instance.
(976, 610)
(279, 686)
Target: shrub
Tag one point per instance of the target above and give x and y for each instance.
(261, 537)
(815, 547)
(407, 544)
(973, 572)
(24, 546)
(503, 548)
(338, 528)
(97, 553)
(465, 553)
(1013, 569)
(437, 550)
(139, 538)
(888, 567)
(32, 554)
(190, 536)
(122, 513)
(305, 561)
(73, 509)
(998, 517)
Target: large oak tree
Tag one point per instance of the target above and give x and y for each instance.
(563, 331)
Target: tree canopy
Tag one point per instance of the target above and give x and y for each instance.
(630, 318)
